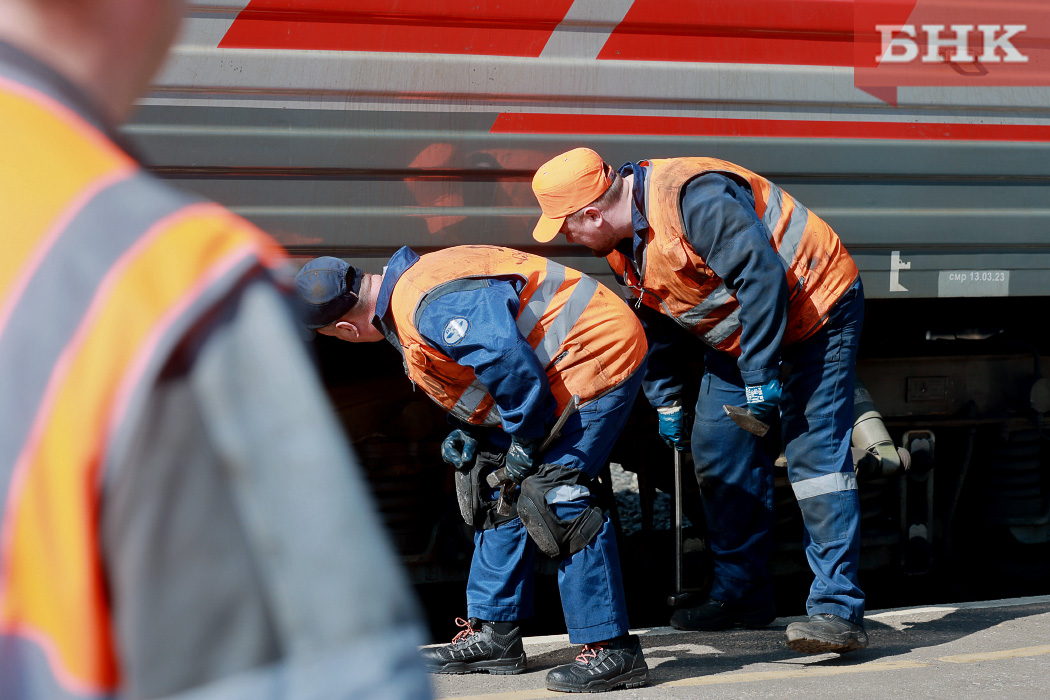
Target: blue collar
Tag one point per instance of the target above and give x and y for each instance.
(634, 250)
(397, 266)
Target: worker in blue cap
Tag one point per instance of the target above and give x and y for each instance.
(507, 342)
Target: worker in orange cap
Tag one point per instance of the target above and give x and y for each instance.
(714, 251)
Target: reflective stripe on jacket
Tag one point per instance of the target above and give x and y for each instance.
(584, 335)
(677, 282)
(105, 269)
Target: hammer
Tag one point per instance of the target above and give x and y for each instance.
(746, 420)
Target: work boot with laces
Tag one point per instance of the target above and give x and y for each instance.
(824, 633)
(602, 666)
(478, 648)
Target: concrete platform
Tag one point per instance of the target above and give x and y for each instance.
(994, 650)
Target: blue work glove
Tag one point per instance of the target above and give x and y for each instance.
(672, 426)
(763, 400)
(520, 464)
(458, 449)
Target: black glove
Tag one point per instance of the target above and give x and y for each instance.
(520, 464)
(458, 449)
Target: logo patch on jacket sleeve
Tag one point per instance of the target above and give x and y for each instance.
(455, 330)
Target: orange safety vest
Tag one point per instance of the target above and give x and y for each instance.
(104, 270)
(677, 282)
(584, 335)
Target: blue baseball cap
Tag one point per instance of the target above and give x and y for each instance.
(327, 287)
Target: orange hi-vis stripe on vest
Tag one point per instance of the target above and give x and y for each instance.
(583, 334)
(677, 282)
(104, 270)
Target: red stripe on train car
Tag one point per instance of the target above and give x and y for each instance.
(802, 32)
(480, 27)
(591, 124)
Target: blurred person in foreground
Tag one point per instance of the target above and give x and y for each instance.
(181, 513)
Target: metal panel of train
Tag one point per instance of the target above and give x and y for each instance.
(352, 128)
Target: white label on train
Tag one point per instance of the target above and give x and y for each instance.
(973, 283)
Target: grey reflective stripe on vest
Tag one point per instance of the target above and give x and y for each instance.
(569, 314)
(648, 170)
(469, 401)
(774, 207)
(821, 485)
(725, 328)
(218, 288)
(553, 279)
(494, 417)
(793, 235)
(715, 300)
(712, 302)
(792, 238)
(62, 289)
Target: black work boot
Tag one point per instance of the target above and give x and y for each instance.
(478, 648)
(716, 615)
(823, 632)
(602, 666)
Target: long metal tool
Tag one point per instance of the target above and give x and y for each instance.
(505, 483)
(678, 595)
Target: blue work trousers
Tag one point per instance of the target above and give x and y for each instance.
(500, 585)
(735, 469)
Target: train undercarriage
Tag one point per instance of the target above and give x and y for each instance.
(958, 387)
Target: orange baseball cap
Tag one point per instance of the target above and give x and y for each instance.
(564, 185)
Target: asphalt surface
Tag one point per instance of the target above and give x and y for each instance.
(969, 651)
